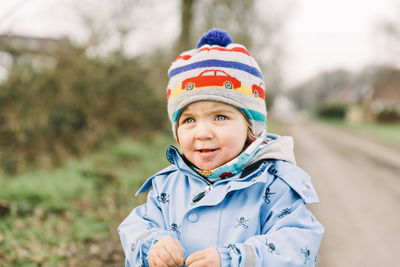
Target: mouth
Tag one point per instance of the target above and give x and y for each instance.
(207, 153)
(206, 150)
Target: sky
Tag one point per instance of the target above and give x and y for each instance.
(319, 35)
(329, 34)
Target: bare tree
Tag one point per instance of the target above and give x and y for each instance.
(108, 28)
(184, 42)
(389, 45)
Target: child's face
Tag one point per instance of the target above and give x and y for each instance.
(211, 133)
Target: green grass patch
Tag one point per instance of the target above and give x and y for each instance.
(51, 190)
(69, 216)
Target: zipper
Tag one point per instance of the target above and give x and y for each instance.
(209, 187)
(199, 196)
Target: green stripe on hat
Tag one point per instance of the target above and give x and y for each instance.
(175, 116)
(254, 115)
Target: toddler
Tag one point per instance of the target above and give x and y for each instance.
(234, 195)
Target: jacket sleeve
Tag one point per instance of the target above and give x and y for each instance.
(291, 235)
(143, 227)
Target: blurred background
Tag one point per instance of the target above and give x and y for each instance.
(83, 118)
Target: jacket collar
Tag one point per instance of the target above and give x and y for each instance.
(174, 157)
(180, 163)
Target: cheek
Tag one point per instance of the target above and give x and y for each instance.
(178, 134)
(182, 138)
(235, 139)
(241, 137)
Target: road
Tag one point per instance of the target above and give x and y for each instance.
(358, 183)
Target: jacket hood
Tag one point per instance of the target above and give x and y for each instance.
(277, 148)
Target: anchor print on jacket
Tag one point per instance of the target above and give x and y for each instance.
(285, 212)
(267, 195)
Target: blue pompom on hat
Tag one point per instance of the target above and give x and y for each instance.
(218, 70)
(215, 37)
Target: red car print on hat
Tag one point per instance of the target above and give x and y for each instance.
(258, 91)
(211, 78)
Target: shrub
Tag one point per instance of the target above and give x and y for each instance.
(47, 114)
(332, 111)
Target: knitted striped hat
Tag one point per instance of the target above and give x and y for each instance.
(217, 70)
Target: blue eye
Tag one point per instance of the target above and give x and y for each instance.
(221, 118)
(188, 120)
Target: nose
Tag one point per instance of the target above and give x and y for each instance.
(203, 131)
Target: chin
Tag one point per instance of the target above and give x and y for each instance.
(206, 167)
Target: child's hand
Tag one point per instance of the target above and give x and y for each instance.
(167, 252)
(208, 257)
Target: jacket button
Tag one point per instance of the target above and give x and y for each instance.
(193, 217)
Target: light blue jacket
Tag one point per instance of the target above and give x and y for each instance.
(259, 219)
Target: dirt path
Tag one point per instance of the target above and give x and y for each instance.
(358, 183)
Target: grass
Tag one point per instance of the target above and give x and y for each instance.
(69, 216)
(385, 132)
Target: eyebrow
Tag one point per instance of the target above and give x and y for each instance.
(210, 111)
(221, 110)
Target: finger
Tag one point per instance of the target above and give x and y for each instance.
(205, 262)
(197, 256)
(155, 261)
(156, 256)
(175, 250)
(152, 257)
(166, 258)
(208, 257)
(199, 263)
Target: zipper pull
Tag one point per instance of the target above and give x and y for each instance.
(199, 196)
